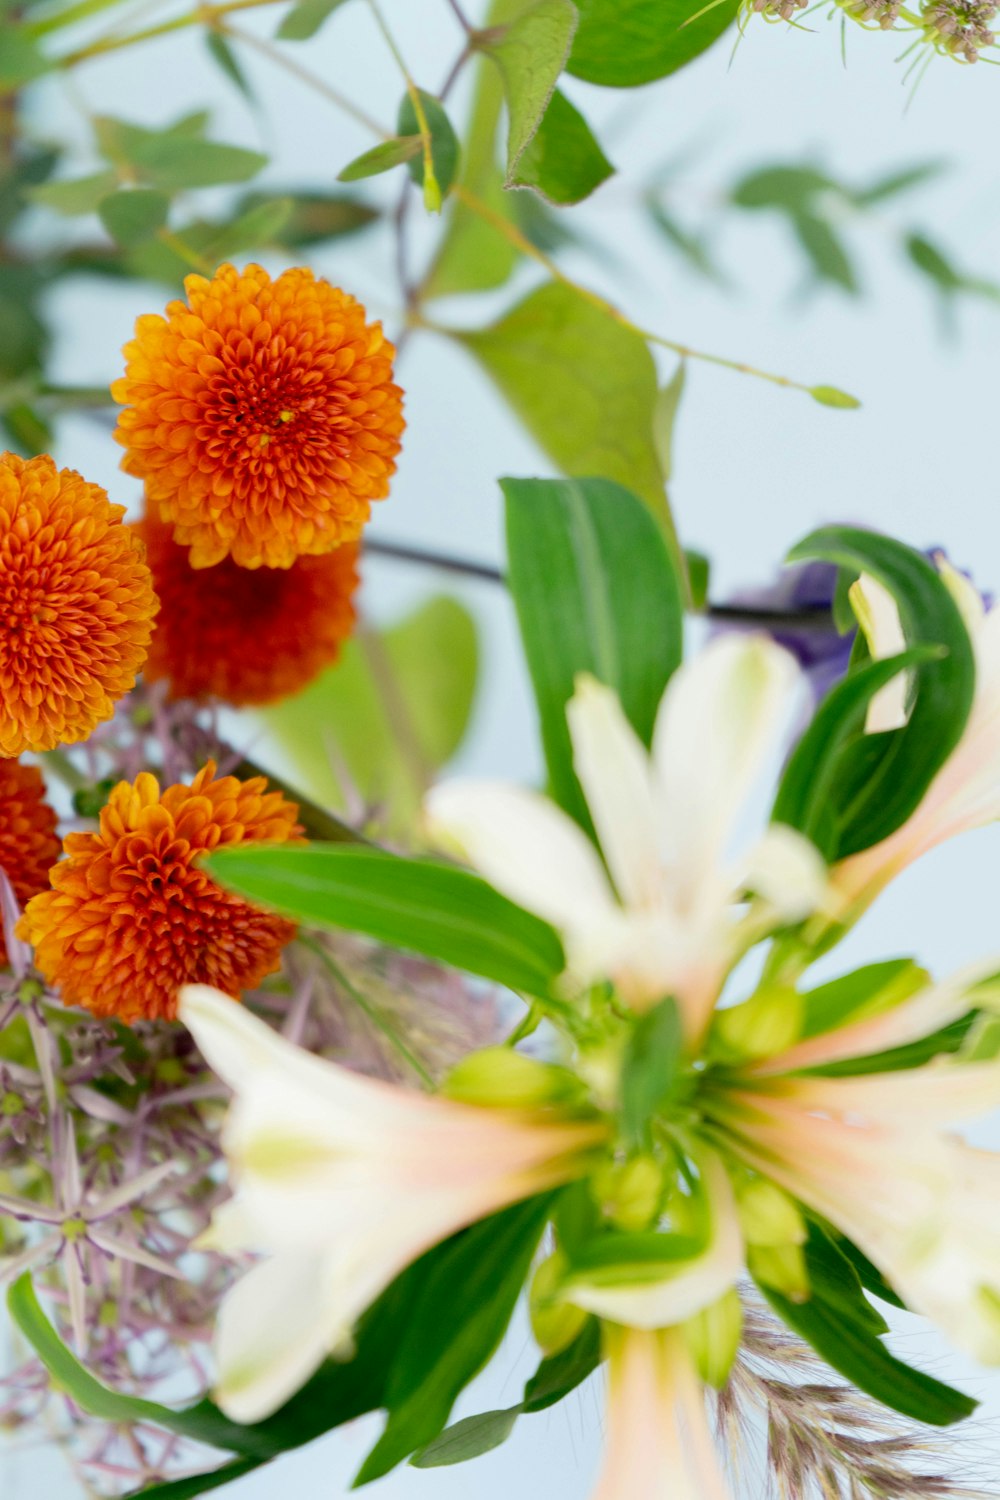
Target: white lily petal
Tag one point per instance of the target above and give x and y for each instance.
(878, 615)
(964, 592)
(939, 1094)
(787, 871)
(526, 847)
(614, 770)
(716, 722)
(270, 1335)
(686, 1288)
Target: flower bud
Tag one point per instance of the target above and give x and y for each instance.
(782, 1267)
(713, 1338)
(768, 1216)
(554, 1322)
(769, 1022)
(503, 1078)
(630, 1193)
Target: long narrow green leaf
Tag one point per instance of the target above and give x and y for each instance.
(429, 908)
(596, 591)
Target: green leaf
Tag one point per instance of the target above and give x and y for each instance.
(699, 572)
(825, 250)
(531, 52)
(263, 224)
(623, 43)
(691, 246)
(197, 1484)
(896, 183)
(558, 1374)
(563, 162)
(583, 385)
(26, 429)
(314, 218)
(177, 157)
(133, 215)
(789, 189)
(664, 421)
(305, 19)
(454, 1329)
(649, 1070)
(931, 260)
(434, 909)
(806, 794)
(595, 591)
(445, 150)
(882, 778)
(21, 61)
(865, 992)
(859, 1355)
(468, 1438)
(226, 60)
(834, 1279)
(392, 712)
(79, 195)
(381, 158)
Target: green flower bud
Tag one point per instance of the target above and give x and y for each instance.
(782, 1267)
(713, 1338)
(768, 1216)
(555, 1323)
(630, 1193)
(503, 1078)
(769, 1022)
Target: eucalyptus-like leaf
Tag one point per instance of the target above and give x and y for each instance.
(563, 162)
(624, 43)
(530, 52)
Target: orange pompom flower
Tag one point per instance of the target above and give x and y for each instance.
(245, 636)
(29, 844)
(76, 605)
(262, 416)
(131, 916)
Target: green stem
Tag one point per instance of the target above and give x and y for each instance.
(202, 15)
(372, 1012)
(59, 763)
(311, 80)
(432, 190)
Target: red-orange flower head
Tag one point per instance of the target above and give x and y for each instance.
(262, 416)
(244, 636)
(29, 844)
(131, 916)
(76, 605)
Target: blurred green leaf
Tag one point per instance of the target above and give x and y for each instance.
(315, 217)
(21, 60)
(305, 19)
(791, 189)
(445, 150)
(469, 1438)
(949, 280)
(826, 252)
(563, 162)
(431, 658)
(28, 168)
(665, 419)
(263, 224)
(897, 182)
(583, 385)
(176, 157)
(530, 52)
(623, 43)
(691, 246)
(24, 335)
(649, 1070)
(27, 432)
(381, 158)
(134, 214)
(226, 59)
(78, 195)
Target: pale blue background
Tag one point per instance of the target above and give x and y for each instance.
(755, 466)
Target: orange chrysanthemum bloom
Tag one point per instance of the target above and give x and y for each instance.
(76, 605)
(131, 916)
(262, 416)
(29, 844)
(245, 636)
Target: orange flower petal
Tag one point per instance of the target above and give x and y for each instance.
(29, 844)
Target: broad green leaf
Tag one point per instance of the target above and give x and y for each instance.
(31, 167)
(262, 224)
(563, 162)
(304, 19)
(583, 385)
(790, 189)
(194, 1485)
(468, 1438)
(870, 1276)
(21, 60)
(531, 52)
(133, 215)
(79, 195)
(226, 60)
(596, 591)
(882, 778)
(865, 992)
(622, 43)
(438, 910)
(861, 1357)
(392, 712)
(178, 164)
(445, 150)
(454, 1329)
(381, 158)
(24, 335)
(649, 1070)
(825, 250)
(806, 794)
(27, 431)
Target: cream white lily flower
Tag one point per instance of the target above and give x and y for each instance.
(965, 794)
(670, 923)
(689, 1286)
(343, 1181)
(659, 1444)
(874, 1154)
